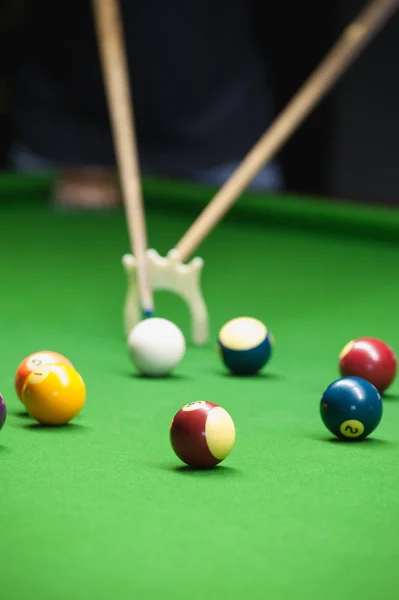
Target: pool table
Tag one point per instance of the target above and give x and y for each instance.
(102, 508)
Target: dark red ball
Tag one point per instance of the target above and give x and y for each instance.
(370, 359)
(202, 434)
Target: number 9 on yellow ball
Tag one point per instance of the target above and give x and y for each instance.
(54, 394)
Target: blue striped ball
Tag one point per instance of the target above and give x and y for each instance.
(245, 345)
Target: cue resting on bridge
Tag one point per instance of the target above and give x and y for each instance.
(119, 98)
(170, 273)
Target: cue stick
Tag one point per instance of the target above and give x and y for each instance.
(110, 36)
(354, 38)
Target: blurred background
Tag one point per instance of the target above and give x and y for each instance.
(349, 147)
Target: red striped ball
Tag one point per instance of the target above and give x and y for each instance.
(202, 434)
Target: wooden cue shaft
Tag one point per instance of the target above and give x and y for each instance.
(353, 39)
(116, 81)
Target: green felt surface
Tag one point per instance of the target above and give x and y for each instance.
(101, 509)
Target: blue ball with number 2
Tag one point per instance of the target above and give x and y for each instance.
(351, 408)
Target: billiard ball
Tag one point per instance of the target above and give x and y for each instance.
(31, 362)
(371, 359)
(351, 408)
(202, 434)
(3, 412)
(245, 345)
(156, 347)
(54, 394)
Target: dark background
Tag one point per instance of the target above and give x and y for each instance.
(349, 146)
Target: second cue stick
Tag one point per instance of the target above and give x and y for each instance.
(116, 80)
(354, 38)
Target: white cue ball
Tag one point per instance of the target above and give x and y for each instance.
(156, 347)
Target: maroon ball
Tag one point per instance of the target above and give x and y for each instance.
(370, 359)
(3, 411)
(202, 434)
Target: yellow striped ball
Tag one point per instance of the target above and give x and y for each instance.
(245, 345)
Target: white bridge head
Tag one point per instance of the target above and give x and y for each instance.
(169, 274)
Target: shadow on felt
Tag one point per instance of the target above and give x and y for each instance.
(70, 427)
(170, 378)
(330, 439)
(218, 471)
(21, 414)
(262, 375)
(390, 397)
